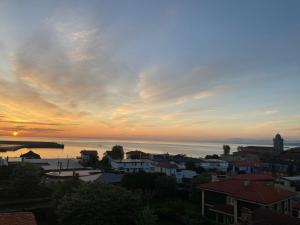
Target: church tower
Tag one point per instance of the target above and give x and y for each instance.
(278, 143)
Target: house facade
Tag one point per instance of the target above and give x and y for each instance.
(223, 201)
(133, 165)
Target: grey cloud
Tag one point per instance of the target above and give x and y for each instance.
(36, 123)
(84, 72)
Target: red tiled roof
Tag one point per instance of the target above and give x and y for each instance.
(254, 177)
(17, 218)
(254, 191)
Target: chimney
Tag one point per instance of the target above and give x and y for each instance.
(214, 178)
(246, 183)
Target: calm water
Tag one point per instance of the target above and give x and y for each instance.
(74, 146)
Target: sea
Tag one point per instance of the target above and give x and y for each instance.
(73, 146)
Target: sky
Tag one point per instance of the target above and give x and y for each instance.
(157, 70)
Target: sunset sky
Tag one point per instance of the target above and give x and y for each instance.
(167, 70)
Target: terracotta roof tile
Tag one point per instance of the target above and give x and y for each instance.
(253, 191)
(17, 218)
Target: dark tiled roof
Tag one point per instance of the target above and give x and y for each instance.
(17, 218)
(253, 191)
(110, 178)
(92, 152)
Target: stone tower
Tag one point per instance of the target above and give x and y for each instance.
(278, 144)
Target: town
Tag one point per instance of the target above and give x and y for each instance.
(251, 185)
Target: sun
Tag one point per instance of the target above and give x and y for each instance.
(15, 133)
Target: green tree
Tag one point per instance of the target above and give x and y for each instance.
(117, 152)
(105, 163)
(143, 181)
(147, 217)
(5, 172)
(25, 180)
(226, 149)
(190, 165)
(98, 203)
(165, 186)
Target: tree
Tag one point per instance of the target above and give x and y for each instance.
(147, 217)
(190, 165)
(226, 149)
(165, 186)
(117, 152)
(98, 203)
(143, 181)
(5, 172)
(105, 163)
(214, 156)
(25, 180)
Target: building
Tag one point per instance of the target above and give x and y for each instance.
(137, 155)
(246, 166)
(212, 164)
(167, 168)
(133, 165)
(58, 164)
(89, 156)
(278, 144)
(30, 155)
(263, 216)
(256, 151)
(110, 178)
(17, 218)
(174, 170)
(223, 201)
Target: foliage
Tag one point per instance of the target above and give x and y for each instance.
(165, 186)
(214, 156)
(67, 187)
(117, 152)
(180, 212)
(5, 172)
(140, 180)
(97, 203)
(190, 165)
(25, 180)
(105, 163)
(147, 217)
(226, 149)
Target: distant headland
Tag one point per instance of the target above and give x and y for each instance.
(15, 145)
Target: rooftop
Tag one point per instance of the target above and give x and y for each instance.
(251, 191)
(246, 163)
(92, 152)
(17, 218)
(56, 164)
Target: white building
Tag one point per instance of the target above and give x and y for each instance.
(166, 168)
(209, 164)
(181, 175)
(133, 165)
(175, 170)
